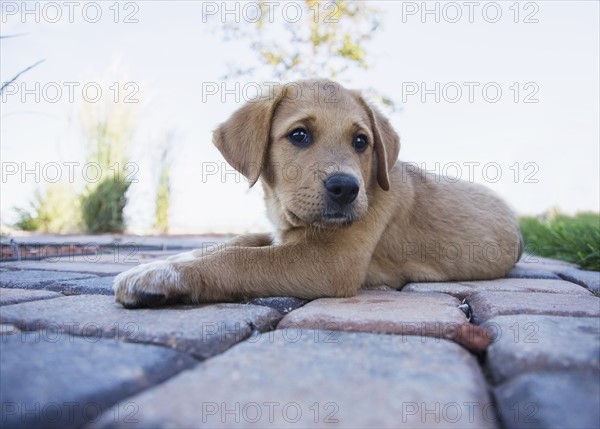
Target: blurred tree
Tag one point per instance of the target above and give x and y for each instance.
(311, 39)
(314, 38)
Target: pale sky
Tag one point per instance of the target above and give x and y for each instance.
(546, 150)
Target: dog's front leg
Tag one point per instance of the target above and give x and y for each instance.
(245, 240)
(236, 272)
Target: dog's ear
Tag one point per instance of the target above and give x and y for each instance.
(244, 138)
(387, 143)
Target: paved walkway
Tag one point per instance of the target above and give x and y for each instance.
(510, 353)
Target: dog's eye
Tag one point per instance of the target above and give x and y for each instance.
(360, 143)
(300, 137)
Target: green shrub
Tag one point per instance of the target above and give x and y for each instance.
(102, 206)
(108, 128)
(26, 220)
(163, 199)
(54, 209)
(570, 238)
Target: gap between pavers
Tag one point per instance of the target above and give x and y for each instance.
(588, 279)
(283, 304)
(464, 289)
(390, 312)
(64, 381)
(486, 305)
(529, 343)
(201, 331)
(315, 379)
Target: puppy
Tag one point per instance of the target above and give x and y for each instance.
(346, 213)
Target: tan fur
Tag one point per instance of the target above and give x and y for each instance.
(403, 226)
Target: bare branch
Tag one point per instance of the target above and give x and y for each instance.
(19, 74)
(10, 36)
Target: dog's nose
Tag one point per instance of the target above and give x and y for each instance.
(342, 188)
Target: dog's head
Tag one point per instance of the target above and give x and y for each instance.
(318, 148)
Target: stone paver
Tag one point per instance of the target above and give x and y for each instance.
(36, 279)
(543, 262)
(389, 312)
(588, 279)
(525, 271)
(314, 379)
(53, 380)
(550, 401)
(463, 289)
(94, 286)
(553, 266)
(283, 304)
(15, 296)
(74, 264)
(202, 331)
(165, 241)
(485, 305)
(526, 343)
(295, 376)
(103, 264)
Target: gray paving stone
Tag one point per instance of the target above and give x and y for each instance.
(391, 312)
(554, 266)
(588, 279)
(36, 279)
(485, 305)
(457, 290)
(550, 400)
(315, 379)
(388, 312)
(528, 258)
(283, 304)
(94, 286)
(166, 241)
(52, 380)
(523, 271)
(526, 343)
(15, 296)
(202, 331)
(463, 289)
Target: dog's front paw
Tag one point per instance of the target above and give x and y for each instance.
(149, 285)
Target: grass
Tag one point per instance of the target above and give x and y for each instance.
(569, 238)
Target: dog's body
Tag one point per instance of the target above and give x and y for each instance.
(346, 213)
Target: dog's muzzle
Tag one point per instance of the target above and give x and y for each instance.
(341, 190)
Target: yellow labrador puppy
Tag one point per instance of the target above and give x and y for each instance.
(346, 213)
